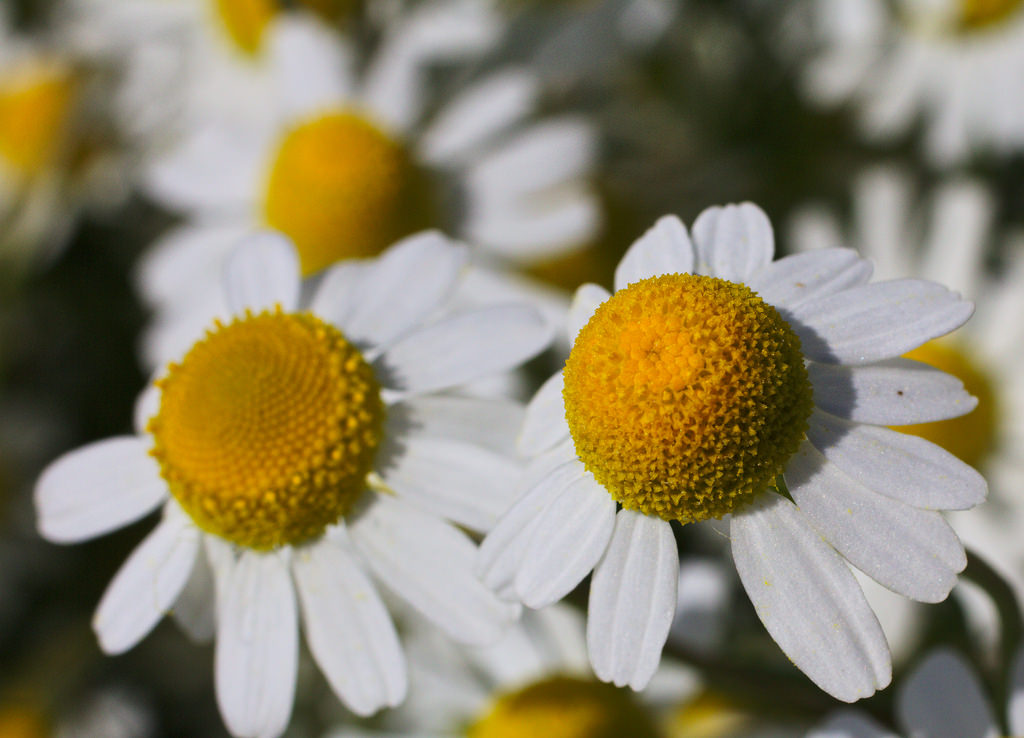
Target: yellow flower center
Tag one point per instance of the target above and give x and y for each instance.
(980, 14)
(341, 188)
(23, 721)
(564, 707)
(971, 437)
(35, 110)
(686, 395)
(708, 716)
(245, 21)
(267, 428)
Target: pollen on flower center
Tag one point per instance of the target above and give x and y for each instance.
(686, 395)
(245, 21)
(267, 428)
(564, 707)
(34, 112)
(979, 14)
(341, 188)
(971, 437)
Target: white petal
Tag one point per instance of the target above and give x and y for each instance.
(339, 293)
(429, 564)
(311, 65)
(216, 168)
(348, 629)
(849, 724)
(502, 551)
(942, 698)
(587, 299)
(149, 581)
(195, 608)
(664, 249)
(632, 600)
(147, 405)
(98, 488)
(394, 88)
(262, 271)
(891, 392)
(877, 321)
(808, 599)
(489, 423)
(911, 551)
(566, 543)
(477, 114)
(733, 242)
(793, 280)
(1015, 703)
(463, 347)
(897, 465)
(453, 479)
(403, 287)
(186, 258)
(544, 424)
(534, 229)
(544, 155)
(256, 658)
(961, 217)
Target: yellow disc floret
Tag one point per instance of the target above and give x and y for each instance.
(971, 437)
(979, 14)
(686, 395)
(267, 428)
(35, 107)
(565, 707)
(341, 188)
(245, 21)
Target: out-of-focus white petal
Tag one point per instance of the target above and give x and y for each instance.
(262, 271)
(148, 583)
(942, 698)
(256, 657)
(98, 488)
(348, 628)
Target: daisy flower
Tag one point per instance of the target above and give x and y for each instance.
(349, 160)
(944, 237)
(534, 681)
(941, 698)
(715, 382)
(295, 451)
(958, 64)
(38, 91)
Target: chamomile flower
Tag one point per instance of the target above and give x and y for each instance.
(534, 682)
(348, 161)
(956, 64)
(941, 698)
(293, 451)
(715, 382)
(944, 239)
(38, 91)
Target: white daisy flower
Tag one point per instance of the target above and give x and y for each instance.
(958, 64)
(535, 681)
(293, 451)
(944, 239)
(941, 698)
(179, 62)
(347, 161)
(715, 382)
(38, 94)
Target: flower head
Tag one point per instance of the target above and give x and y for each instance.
(717, 382)
(291, 445)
